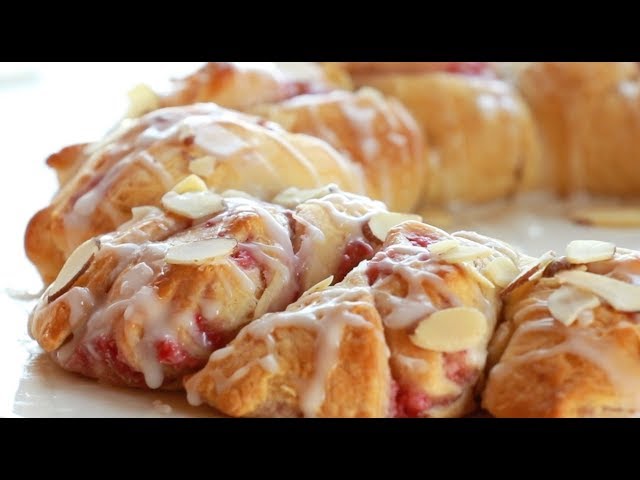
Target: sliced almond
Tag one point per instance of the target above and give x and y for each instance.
(567, 302)
(321, 285)
(201, 252)
(142, 100)
(501, 271)
(465, 253)
(192, 183)
(75, 266)
(612, 217)
(451, 330)
(587, 251)
(382, 222)
(622, 296)
(203, 166)
(193, 205)
(478, 277)
(292, 197)
(443, 246)
(532, 272)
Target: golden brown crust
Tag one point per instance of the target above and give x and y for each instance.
(271, 368)
(588, 116)
(301, 362)
(587, 369)
(134, 317)
(376, 132)
(146, 159)
(240, 86)
(480, 135)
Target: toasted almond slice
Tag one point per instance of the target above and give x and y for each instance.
(465, 253)
(75, 266)
(612, 217)
(567, 302)
(201, 252)
(382, 222)
(203, 166)
(451, 330)
(193, 205)
(479, 277)
(501, 271)
(622, 296)
(142, 100)
(587, 251)
(443, 246)
(292, 197)
(533, 272)
(321, 285)
(192, 183)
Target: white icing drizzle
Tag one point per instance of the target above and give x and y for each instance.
(321, 245)
(326, 314)
(133, 299)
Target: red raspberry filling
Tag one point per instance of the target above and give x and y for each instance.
(244, 258)
(170, 353)
(410, 403)
(456, 368)
(106, 362)
(355, 252)
(213, 339)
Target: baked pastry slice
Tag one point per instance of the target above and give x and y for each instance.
(482, 141)
(588, 115)
(374, 131)
(325, 356)
(148, 303)
(405, 334)
(438, 296)
(137, 164)
(570, 343)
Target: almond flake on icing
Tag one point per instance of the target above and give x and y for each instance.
(465, 253)
(443, 246)
(587, 251)
(501, 271)
(567, 302)
(382, 222)
(622, 296)
(192, 183)
(193, 205)
(142, 99)
(201, 252)
(532, 273)
(75, 266)
(292, 197)
(451, 330)
(321, 285)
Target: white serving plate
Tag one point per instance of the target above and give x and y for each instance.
(43, 108)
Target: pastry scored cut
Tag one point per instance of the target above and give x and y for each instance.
(570, 344)
(481, 138)
(405, 334)
(146, 304)
(137, 164)
(376, 132)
